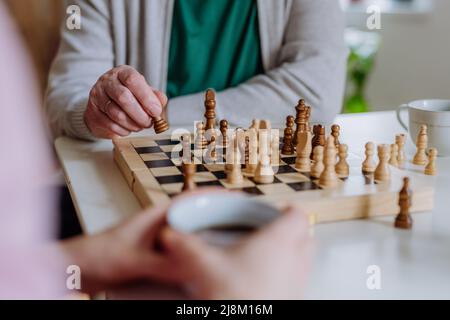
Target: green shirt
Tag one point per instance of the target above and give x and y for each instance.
(214, 44)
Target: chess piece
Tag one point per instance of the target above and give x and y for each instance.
(185, 153)
(252, 152)
(317, 167)
(329, 178)
(256, 124)
(400, 141)
(336, 132)
(234, 176)
(160, 125)
(275, 148)
(264, 173)
(210, 114)
(369, 165)
(308, 118)
(304, 149)
(288, 147)
(421, 158)
(430, 169)
(200, 142)
(342, 167)
(300, 120)
(404, 219)
(393, 160)
(224, 132)
(382, 172)
(211, 156)
(189, 170)
(319, 138)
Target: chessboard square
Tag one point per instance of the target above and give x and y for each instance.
(171, 148)
(167, 142)
(282, 169)
(254, 191)
(292, 177)
(204, 177)
(173, 189)
(289, 160)
(158, 164)
(166, 171)
(154, 156)
(143, 143)
(220, 175)
(275, 181)
(170, 179)
(272, 189)
(145, 150)
(339, 184)
(245, 184)
(215, 167)
(304, 186)
(209, 184)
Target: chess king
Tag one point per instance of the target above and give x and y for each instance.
(107, 83)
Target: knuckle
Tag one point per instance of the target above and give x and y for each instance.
(123, 97)
(133, 79)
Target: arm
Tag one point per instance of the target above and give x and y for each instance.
(66, 95)
(312, 65)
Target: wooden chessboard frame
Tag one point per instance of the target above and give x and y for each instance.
(346, 202)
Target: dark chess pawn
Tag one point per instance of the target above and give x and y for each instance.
(288, 145)
(404, 219)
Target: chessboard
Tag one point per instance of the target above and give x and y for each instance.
(152, 167)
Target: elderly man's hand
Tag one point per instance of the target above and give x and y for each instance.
(122, 102)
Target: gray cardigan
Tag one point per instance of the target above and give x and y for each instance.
(303, 51)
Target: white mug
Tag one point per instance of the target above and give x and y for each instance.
(435, 114)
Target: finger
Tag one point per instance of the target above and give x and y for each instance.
(127, 102)
(149, 225)
(98, 97)
(162, 97)
(138, 86)
(159, 268)
(104, 125)
(115, 113)
(292, 225)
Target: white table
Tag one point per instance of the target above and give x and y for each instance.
(414, 264)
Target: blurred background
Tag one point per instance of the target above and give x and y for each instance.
(407, 59)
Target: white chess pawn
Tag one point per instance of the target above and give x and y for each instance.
(342, 167)
(430, 169)
(393, 160)
(369, 165)
(383, 173)
(318, 166)
(329, 178)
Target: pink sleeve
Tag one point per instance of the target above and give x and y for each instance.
(26, 204)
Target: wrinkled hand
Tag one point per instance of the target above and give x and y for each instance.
(122, 102)
(271, 264)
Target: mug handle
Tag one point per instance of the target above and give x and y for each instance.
(399, 116)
